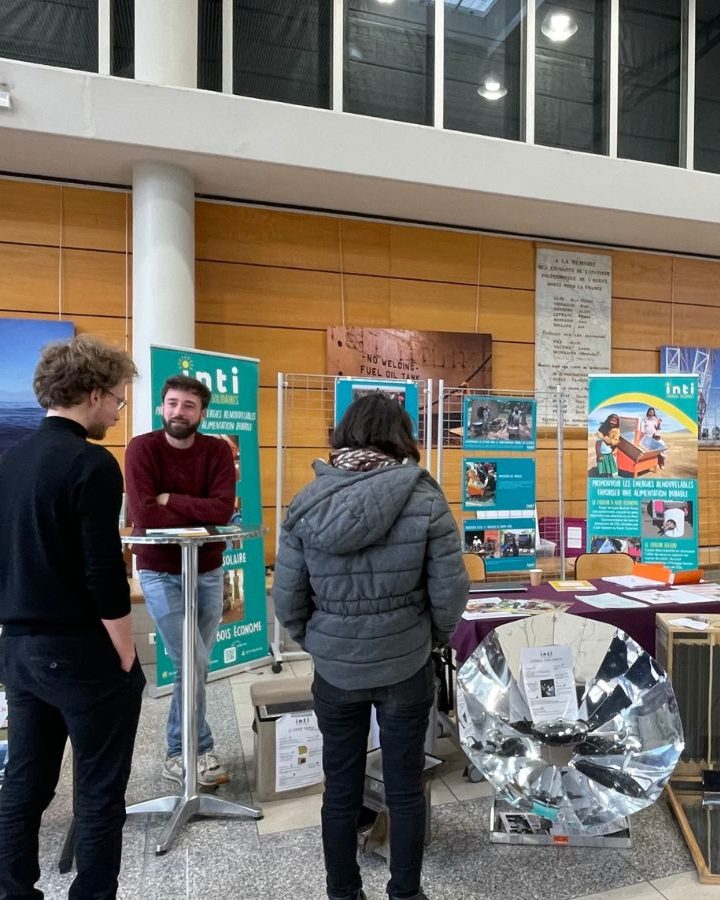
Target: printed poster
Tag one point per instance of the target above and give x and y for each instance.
(643, 466)
(405, 393)
(231, 417)
(494, 483)
(506, 545)
(548, 682)
(21, 341)
(494, 423)
(705, 363)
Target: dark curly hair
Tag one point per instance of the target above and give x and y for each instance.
(379, 422)
(191, 385)
(69, 370)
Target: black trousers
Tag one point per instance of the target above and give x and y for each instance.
(59, 687)
(344, 719)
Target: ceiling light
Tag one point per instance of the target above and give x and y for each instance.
(559, 26)
(386, 2)
(492, 88)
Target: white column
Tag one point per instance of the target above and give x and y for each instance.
(163, 271)
(166, 42)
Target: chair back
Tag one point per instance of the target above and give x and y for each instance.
(475, 566)
(598, 565)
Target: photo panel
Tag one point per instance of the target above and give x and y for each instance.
(492, 423)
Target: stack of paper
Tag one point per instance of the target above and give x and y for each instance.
(664, 598)
(631, 581)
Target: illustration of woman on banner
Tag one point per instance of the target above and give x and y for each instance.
(650, 426)
(606, 444)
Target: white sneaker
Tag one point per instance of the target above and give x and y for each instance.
(173, 769)
(210, 771)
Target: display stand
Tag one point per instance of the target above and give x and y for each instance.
(448, 416)
(190, 802)
(305, 420)
(508, 825)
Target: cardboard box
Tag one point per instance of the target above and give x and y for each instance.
(272, 699)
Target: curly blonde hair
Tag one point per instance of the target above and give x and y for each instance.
(69, 370)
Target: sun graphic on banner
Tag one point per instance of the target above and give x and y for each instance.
(185, 365)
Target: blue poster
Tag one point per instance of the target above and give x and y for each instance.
(499, 423)
(405, 392)
(231, 417)
(506, 545)
(642, 467)
(498, 483)
(21, 341)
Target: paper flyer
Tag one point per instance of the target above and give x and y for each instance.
(298, 751)
(549, 683)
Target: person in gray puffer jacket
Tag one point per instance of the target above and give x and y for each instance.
(369, 577)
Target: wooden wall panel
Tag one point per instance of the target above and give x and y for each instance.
(94, 283)
(365, 247)
(694, 325)
(266, 237)
(368, 301)
(635, 361)
(433, 255)
(29, 278)
(232, 293)
(641, 276)
(513, 366)
(506, 262)
(640, 324)
(95, 219)
(29, 213)
(696, 281)
(278, 349)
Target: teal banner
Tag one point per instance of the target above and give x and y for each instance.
(232, 417)
(642, 467)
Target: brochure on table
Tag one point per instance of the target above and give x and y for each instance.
(232, 417)
(642, 468)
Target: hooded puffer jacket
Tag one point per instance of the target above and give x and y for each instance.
(369, 573)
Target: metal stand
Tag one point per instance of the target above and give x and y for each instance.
(189, 803)
(511, 826)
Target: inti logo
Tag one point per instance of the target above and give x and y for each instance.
(679, 390)
(218, 383)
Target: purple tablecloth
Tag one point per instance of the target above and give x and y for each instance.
(638, 622)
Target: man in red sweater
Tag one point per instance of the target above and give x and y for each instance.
(176, 476)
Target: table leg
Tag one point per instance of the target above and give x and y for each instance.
(189, 803)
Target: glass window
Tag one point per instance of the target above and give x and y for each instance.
(707, 86)
(122, 38)
(571, 74)
(209, 51)
(483, 66)
(649, 81)
(281, 50)
(51, 33)
(389, 59)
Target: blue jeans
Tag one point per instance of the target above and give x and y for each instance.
(164, 600)
(344, 719)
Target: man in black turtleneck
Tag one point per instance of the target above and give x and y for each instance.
(67, 656)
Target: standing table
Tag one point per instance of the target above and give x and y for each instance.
(189, 802)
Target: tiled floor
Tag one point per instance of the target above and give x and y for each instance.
(281, 857)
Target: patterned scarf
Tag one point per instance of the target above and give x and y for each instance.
(364, 460)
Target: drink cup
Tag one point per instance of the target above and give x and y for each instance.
(535, 577)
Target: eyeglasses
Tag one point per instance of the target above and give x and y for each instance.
(121, 401)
